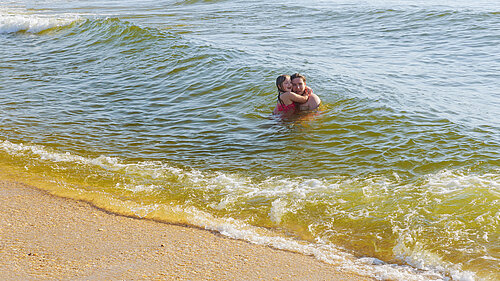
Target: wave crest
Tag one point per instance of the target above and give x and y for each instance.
(32, 23)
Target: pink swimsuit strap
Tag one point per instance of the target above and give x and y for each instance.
(282, 107)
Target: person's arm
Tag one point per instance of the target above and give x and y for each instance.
(298, 98)
(312, 103)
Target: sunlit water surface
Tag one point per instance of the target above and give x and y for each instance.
(162, 109)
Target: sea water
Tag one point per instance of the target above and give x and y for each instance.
(162, 109)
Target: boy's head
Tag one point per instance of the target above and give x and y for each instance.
(298, 83)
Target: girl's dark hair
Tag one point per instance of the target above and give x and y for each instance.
(280, 81)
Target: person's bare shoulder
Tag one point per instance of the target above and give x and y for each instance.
(312, 103)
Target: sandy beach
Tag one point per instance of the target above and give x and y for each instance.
(44, 237)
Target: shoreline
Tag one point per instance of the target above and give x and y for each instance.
(48, 237)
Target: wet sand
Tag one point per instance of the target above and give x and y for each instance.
(44, 237)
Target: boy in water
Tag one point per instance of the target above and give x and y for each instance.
(299, 87)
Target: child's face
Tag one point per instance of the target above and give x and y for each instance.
(286, 86)
(298, 85)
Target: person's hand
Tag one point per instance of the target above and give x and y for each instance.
(308, 91)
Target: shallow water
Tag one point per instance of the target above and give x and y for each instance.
(163, 110)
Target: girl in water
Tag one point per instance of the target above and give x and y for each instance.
(287, 98)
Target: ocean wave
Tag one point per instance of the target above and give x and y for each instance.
(230, 227)
(255, 210)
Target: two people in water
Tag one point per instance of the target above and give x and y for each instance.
(294, 96)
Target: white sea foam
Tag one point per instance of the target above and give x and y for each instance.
(278, 209)
(46, 154)
(422, 259)
(324, 252)
(448, 181)
(12, 22)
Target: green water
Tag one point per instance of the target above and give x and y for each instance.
(163, 110)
